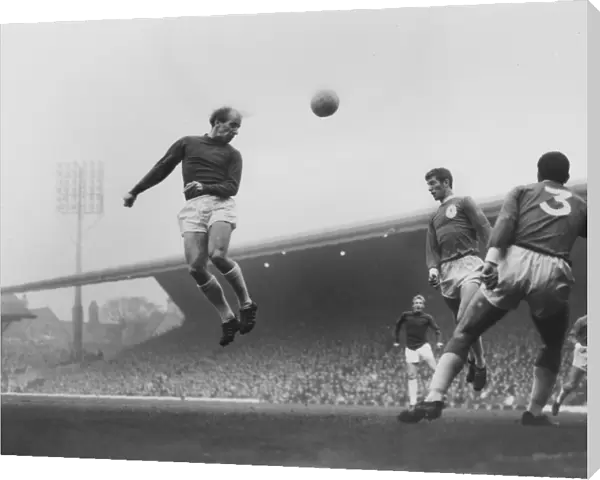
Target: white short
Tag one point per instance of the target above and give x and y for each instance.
(455, 273)
(580, 357)
(200, 213)
(423, 354)
(544, 282)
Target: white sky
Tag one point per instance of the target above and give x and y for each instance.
(481, 90)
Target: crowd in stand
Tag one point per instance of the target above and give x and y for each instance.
(356, 367)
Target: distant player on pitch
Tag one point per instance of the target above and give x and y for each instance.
(417, 323)
(579, 366)
(528, 259)
(452, 250)
(212, 171)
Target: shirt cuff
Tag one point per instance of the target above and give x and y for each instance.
(493, 255)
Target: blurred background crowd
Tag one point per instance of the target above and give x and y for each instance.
(303, 362)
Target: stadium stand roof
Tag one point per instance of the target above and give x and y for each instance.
(339, 235)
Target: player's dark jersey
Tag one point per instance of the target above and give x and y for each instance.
(217, 166)
(416, 325)
(579, 330)
(545, 217)
(455, 231)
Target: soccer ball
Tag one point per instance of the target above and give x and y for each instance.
(325, 103)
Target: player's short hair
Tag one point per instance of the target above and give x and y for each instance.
(418, 297)
(554, 166)
(220, 115)
(440, 174)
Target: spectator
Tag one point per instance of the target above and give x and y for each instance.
(355, 367)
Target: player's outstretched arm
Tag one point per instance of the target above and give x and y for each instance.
(478, 219)
(161, 170)
(231, 185)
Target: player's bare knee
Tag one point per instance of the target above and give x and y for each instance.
(460, 344)
(412, 375)
(218, 256)
(199, 271)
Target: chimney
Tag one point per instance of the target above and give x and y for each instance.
(93, 313)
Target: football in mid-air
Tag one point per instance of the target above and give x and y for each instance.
(325, 103)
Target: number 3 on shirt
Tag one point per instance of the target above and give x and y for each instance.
(560, 197)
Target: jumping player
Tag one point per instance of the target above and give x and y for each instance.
(528, 259)
(417, 323)
(579, 367)
(212, 171)
(452, 256)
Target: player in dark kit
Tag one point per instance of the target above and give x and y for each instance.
(579, 366)
(527, 259)
(452, 256)
(417, 323)
(212, 171)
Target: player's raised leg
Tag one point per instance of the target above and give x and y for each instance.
(477, 317)
(454, 306)
(218, 247)
(477, 374)
(196, 254)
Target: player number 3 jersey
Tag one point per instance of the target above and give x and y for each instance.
(544, 217)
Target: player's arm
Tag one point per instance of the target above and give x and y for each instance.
(161, 170)
(503, 233)
(398, 328)
(231, 185)
(438, 332)
(432, 255)
(478, 220)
